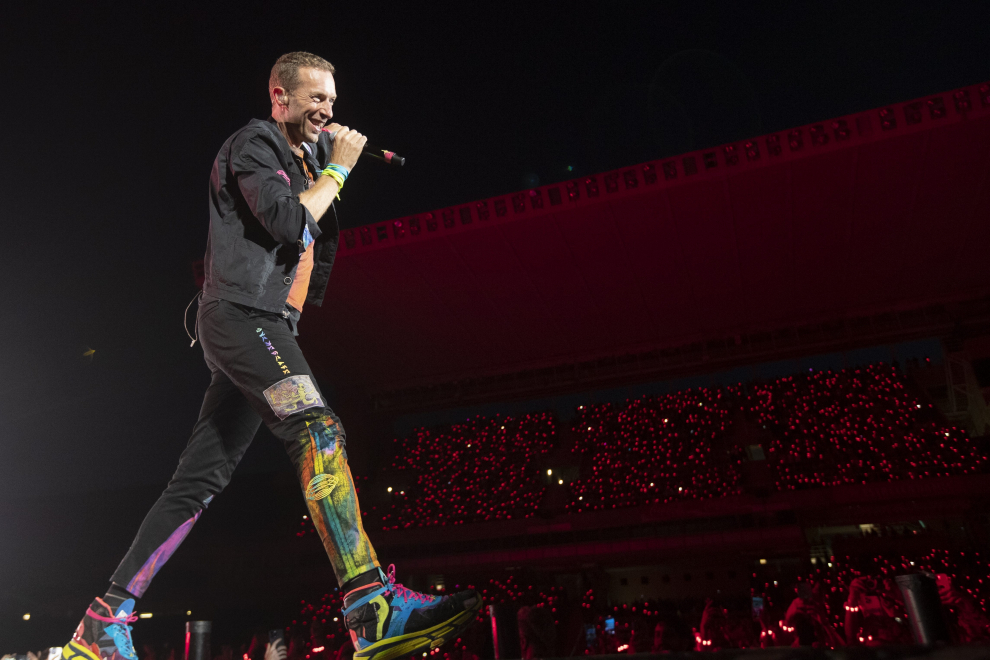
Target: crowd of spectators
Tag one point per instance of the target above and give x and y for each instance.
(836, 602)
(858, 594)
(318, 632)
(855, 426)
(654, 449)
(822, 428)
(817, 429)
(483, 469)
(841, 602)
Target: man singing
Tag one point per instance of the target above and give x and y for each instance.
(271, 246)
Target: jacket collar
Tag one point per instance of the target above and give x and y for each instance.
(309, 150)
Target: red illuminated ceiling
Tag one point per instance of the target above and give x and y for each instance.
(883, 210)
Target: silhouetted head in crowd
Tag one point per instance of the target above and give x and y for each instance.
(641, 641)
(537, 634)
(317, 633)
(804, 630)
(298, 645)
(256, 649)
(672, 635)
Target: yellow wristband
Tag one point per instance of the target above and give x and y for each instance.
(336, 176)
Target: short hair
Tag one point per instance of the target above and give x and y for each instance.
(285, 73)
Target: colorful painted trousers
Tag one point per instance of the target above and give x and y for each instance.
(259, 375)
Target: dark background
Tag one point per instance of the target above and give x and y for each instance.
(113, 115)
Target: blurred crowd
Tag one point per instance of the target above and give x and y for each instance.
(473, 472)
(813, 430)
(855, 426)
(839, 602)
(847, 602)
(654, 449)
(819, 429)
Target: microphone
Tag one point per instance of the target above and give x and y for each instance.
(370, 150)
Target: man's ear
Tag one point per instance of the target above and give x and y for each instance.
(280, 96)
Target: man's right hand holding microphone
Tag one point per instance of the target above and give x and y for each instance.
(347, 147)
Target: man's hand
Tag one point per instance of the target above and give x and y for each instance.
(347, 145)
(275, 652)
(857, 589)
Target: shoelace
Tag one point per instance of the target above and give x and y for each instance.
(403, 592)
(109, 619)
(122, 622)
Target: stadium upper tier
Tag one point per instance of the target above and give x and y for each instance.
(882, 212)
(819, 429)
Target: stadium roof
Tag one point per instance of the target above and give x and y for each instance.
(881, 212)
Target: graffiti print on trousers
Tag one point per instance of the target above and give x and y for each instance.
(271, 349)
(293, 394)
(320, 487)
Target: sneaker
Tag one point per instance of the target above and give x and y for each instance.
(386, 620)
(101, 636)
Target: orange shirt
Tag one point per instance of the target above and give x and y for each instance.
(300, 285)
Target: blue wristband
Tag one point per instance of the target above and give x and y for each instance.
(339, 169)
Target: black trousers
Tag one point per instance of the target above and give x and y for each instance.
(259, 375)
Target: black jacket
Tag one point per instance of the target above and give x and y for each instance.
(258, 228)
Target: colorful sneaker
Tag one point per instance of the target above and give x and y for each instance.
(386, 620)
(101, 636)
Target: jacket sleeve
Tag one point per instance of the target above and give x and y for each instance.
(266, 189)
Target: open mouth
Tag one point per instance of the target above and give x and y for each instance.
(317, 125)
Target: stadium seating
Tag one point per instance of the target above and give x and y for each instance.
(483, 469)
(855, 426)
(819, 429)
(654, 449)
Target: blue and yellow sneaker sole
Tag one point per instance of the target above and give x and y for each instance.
(421, 640)
(76, 651)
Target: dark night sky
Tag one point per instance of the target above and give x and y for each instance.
(113, 116)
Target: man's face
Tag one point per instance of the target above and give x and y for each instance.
(310, 105)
